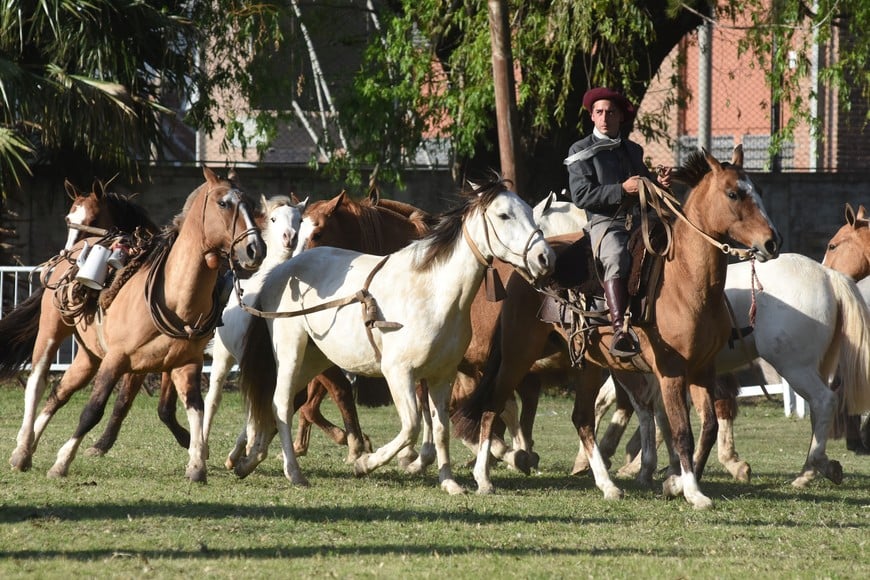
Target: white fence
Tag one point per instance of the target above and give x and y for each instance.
(17, 282)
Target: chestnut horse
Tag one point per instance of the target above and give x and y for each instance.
(167, 331)
(691, 320)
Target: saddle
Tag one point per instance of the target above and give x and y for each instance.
(575, 286)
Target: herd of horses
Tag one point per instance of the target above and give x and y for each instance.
(444, 313)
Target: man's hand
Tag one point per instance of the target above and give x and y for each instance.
(629, 186)
(664, 177)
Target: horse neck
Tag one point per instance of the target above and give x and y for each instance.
(695, 263)
(188, 280)
(455, 278)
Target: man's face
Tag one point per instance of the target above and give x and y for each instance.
(607, 117)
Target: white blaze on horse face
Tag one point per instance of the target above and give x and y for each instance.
(75, 216)
(306, 228)
(746, 185)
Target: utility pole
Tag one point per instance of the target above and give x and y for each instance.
(505, 92)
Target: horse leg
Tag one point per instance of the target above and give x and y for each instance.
(823, 403)
(188, 385)
(605, 399)
(583, 417)
(411, 461)
(404, 393)
(43, 353)
(642, 393)
(439, 397)
(222, 362)
(129, 387)
(726, 411)
(166, 410)
(703, 401)
(674, 400)
(91, 415)
(285, 390)
(530, 393)
(618, 422)
(307, 416)
(340, 390)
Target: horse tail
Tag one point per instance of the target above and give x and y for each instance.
(18, 331)
(258, 373)
(854, 352)
(468, 414)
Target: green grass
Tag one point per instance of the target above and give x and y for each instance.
(132, 513)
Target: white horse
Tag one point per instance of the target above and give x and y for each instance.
(427, 288)
(811, 323)
(556, 217)
(280, 232)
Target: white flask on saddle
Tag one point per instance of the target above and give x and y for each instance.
(93, 266)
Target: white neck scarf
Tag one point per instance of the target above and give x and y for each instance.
(604, 143)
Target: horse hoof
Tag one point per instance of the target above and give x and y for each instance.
(613, 494)
(627, 471)
(196, 475)
(20, 461)
(299, 481)
(534, 460)
(522, 461)
(702, 503)
(300, 450)
(405, 460)
(672, 486)
(485, 488)
(581, 465)
(836, 472)
(359, 466)
(56, 472)
(452, 488)
(744, 473)
(94, 452)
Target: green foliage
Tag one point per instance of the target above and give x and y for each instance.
(96, 80)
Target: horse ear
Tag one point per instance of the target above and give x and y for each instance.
(71, 190)
(210, 176)
(715, 166)
(335, 202)
(850, 214)
(233, 176)
(97, 189)
(737, 155)
(550, 199)
(294, 198)
(862, 214)
(263, 203)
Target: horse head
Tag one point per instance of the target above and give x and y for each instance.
(726, 203)
(849, 250)
(556, 217)
(500, 225)
(283, 219)
(227, 218)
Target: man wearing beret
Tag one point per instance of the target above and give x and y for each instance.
(603, 172)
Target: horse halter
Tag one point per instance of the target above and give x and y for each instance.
(238, 203)
(488, 262)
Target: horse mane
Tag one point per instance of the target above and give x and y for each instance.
(127, 214)
(448, 226)
(693, 169)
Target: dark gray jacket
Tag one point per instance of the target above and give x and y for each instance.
(596, 183)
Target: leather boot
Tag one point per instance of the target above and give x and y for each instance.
(616, 295)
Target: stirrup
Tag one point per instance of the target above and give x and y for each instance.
(629, 344)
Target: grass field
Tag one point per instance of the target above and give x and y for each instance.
(132, 514)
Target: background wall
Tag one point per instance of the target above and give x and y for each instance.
(807, 207)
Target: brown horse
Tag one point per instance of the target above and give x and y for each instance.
(166, 332)
(372, 225)
(691, 318)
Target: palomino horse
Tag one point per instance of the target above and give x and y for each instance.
(167, 331)
(415, 324)
(691, 318)
(373, 226)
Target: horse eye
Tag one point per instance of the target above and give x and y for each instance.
(274, 219)
(504, 216)
(222, 204)
(732, 195)
(832, 247)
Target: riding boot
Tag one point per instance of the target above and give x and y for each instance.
(616, 295)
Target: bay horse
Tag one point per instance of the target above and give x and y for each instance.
(691, 318)
(167, 331)
(417, 304)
